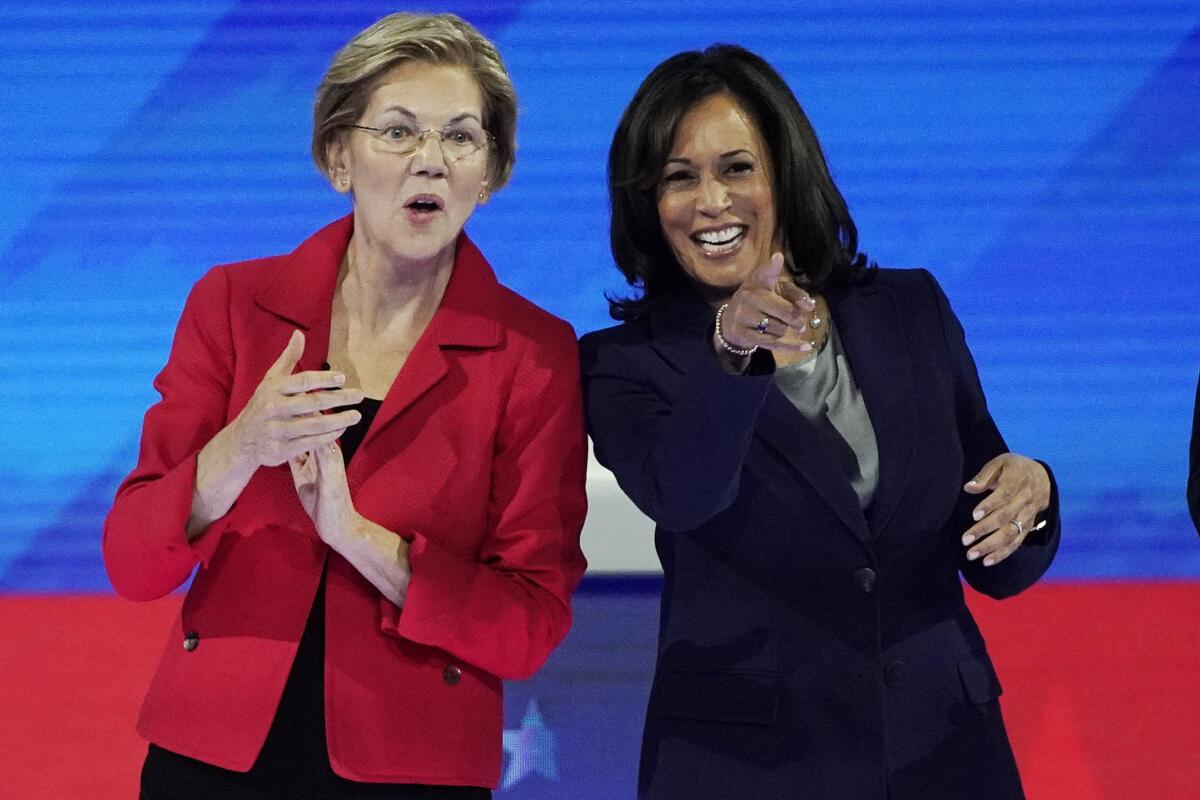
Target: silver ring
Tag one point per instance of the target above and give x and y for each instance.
(761, 327)
(1020, 527)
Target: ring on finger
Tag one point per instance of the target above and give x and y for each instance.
(761, 327)
(1016, 523)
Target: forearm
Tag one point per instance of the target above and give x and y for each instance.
(222, 472)
(378, 555)
(680, 462)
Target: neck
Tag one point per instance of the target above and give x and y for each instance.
(379, 289)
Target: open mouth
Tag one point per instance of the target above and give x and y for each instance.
(424, 205)
(720, 241)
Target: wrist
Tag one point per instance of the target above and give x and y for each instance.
(723, 342)
(733, 364)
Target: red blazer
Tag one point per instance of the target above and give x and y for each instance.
(477, 458)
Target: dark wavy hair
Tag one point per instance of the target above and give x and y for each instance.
(818, 236)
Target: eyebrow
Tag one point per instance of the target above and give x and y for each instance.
(729, 154)
(412, 116)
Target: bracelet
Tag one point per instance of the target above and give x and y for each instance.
(737, 351)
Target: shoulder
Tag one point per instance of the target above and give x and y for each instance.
(915, 288)
(314, 261)
(534, 330)
(916, 279)
(614, 341)
(247, 277)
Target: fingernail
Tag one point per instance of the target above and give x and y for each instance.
(972, 483)
(971, 556)
(967, 540)
(987, 562)
(339, 377)
(978, 515)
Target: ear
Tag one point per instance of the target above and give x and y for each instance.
(337, 156)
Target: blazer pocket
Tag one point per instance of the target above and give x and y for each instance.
(979, 681)
(742, 696)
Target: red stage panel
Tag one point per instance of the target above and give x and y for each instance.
(1099, 690)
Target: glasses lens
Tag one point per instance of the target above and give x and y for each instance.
(462, 139)
(457, 141)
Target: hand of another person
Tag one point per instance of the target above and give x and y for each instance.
(1019, 490)
(767, 313)
(284, 416)
(320, 480)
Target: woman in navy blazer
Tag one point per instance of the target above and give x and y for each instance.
(814, 642)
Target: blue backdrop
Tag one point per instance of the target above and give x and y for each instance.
(1042, 159)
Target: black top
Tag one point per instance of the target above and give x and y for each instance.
(294, 762)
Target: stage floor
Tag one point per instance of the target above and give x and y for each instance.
(1099, 693)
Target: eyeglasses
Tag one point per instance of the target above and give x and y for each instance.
(458, 141)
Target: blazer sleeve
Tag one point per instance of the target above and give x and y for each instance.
(981, 442)
(676, 444)
(507, 608)
(145, 546)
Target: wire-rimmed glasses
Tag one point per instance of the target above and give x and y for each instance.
(458, 140)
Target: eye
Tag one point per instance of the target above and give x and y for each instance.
(396, 132)
(740, 168)
(676, 177)
(459, 136)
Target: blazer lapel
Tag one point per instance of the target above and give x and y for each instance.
(678, 326)
(302, 292)
(869, 324)
(785, 430)
(464, 319)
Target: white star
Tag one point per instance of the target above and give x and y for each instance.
(530, 748)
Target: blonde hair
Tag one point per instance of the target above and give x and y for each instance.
(443, 39)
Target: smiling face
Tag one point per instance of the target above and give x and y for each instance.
(412, 207)
(716, 204)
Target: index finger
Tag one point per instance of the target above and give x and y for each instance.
(309, 381)
(767, 275)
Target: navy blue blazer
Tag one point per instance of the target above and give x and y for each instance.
(808, 649)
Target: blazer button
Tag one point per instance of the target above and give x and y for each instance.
(191, 640)
(864, 579)
(452, 674)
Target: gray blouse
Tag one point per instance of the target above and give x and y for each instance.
(823, 390)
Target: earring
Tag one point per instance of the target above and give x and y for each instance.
(482, 195)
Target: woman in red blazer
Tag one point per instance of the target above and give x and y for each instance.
(356, 608)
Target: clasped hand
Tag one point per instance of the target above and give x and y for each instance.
(285, 421)
(1019, 490)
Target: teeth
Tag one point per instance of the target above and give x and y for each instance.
(722, 241)
(723, 236)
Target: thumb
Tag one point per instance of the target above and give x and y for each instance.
(289, 357)
(767, 275)
(985, 477)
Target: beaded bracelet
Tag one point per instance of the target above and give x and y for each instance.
(737, 351)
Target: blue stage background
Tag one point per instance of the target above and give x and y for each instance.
(1042, 159)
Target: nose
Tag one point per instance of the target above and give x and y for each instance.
(429, 159)
(712, 198)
